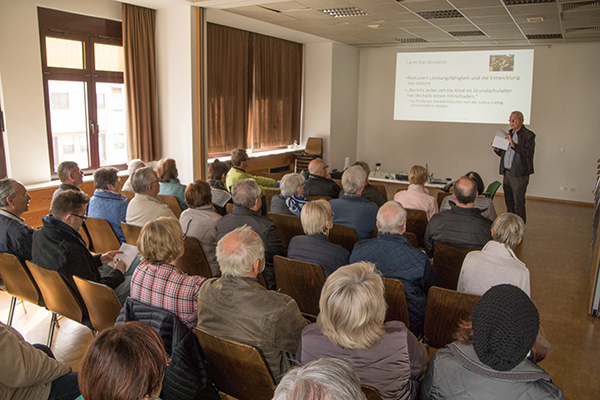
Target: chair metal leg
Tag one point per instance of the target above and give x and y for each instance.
(23, 304)
(11, 311)
(51, 332)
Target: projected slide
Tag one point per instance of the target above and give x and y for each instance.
(463, 86)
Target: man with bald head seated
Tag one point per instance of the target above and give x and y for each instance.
(462, 225)
(319, 182)
(236, 307)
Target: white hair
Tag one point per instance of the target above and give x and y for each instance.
(391, 217)
(290, 184)
(238, 250)
(353, 179)
(245, 192)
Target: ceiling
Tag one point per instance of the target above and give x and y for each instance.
(427, 23)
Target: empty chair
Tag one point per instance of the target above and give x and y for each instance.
(313, 149)
(19, 283)
(492, 189)
(101, 302)
(416, 222)
(447, 262)
(288, 226)
(396, 301)
(103, 236)
(172, 202)
(236, 369)
(193, 261)
(131, 233)
(58, 297)
(344, 236)
(301, 281)
(445, 310)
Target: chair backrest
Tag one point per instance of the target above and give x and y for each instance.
(229, 207)
(314, 146)
(193, 261)
(395, 298)
(269, 193)
(492, 189)
(18, 280)
(131, 233)
(370, 392)
(103, 236)
(172, 202)
(288, 226)
(236, 369)
(313, 198)
(416, 222)
(412, 238)
(381, 189)
(301, 281)
(101, 302)
(445, 310)
(344, 236)
(447, 263)
(57, 295)
(129, 194)
(440, 197)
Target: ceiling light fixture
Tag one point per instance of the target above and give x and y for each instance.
(535, 19)
(344, 12)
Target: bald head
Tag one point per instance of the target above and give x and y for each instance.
(318, 167)
(391, 218)
(465, 191)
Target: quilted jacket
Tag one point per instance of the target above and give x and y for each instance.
(174, 188)
(111, 207)
(396, 258)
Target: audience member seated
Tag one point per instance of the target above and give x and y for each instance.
(200, 221)
(133, 166)
(323, 379)
(319, 182)
(236, 307)
(70, 177)
(462, 225)
(370, 192)
(127, 362)
(315, 247)
(396, 258)
(217, 172)
(145, 206)
(31, 372)
(351, 209)
(156, 281)
(15, 235)
(291, 200)
(492, 359)
(350, 326)
(107, 203)
(417, 197)
(169, 183)
(239, 160)
(496, 263)
(246, 211)
(58, 246)
(481, 202)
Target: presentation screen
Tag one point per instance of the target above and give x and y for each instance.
(463, 86)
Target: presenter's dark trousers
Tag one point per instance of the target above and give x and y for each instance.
(515, 188)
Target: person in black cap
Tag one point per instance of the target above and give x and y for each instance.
(492, 357)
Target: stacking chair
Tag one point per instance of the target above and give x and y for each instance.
(313, 149)
(19, 283)
(445, 310)
(412, 238)
(172, 202)
(236, 369)
(58, 297)
(288, 226)
(301, 281)
(193, 261)
(103, 236)
(416, 222)
(344, 236)
(395, 298)
(101, 302)
(370, 392)
(492, 189)
(131, 233)
(440, 198)
(447, 263)
(269, 193)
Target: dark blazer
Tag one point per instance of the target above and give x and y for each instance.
(15, 237)
(523, 162)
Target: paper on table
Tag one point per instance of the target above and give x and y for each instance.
(501, 140)
(129, 254)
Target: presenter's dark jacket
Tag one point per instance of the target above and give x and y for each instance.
(523, 162)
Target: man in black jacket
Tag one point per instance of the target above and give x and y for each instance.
(319, 182)
(15, 235)
(58, 246)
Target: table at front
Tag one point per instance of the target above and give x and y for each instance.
(394, 185)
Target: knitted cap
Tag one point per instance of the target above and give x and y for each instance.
(505, 326)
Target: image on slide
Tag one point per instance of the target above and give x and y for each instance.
(502, 63)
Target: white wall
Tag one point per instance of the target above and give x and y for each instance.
(175, 55)
(564, 116)
(26, 137)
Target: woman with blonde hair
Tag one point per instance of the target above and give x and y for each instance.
(169, 183)
(417, 197)
(387, 356)
(157, 281)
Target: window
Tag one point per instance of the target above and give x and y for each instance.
(83, 65)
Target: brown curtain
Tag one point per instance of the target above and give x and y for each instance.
(277, 91)
(140, 81)
(228, 87)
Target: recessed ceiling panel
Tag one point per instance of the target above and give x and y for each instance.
(484, 12)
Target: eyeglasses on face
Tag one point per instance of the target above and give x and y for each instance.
(83, 217)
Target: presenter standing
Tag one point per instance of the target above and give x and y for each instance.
(516, 164)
